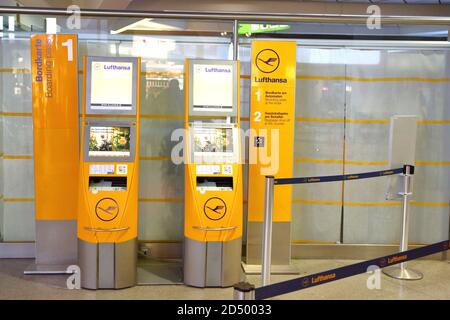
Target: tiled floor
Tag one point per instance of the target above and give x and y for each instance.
(434, 285)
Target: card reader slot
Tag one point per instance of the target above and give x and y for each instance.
(107, 183)
(215, 183)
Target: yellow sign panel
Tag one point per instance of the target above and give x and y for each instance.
(272, 125)
(55, 124)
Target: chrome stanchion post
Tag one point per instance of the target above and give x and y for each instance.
(401, 272)
(244, 291)
(405, 205)
(267, 232)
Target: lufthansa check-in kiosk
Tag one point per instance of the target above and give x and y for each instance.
(108, 200)
(213, 175)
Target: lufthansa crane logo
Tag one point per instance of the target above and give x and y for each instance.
(107, 209)
(267, 61)
(215, 208)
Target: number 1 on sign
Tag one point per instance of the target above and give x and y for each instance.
(69, 45)
(257, 114)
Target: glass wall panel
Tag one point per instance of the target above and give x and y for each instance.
(398, 82)
(346, 92)
(17, 176)
(163, 46)
(318, 148)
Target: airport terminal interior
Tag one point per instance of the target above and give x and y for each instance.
(220, 150)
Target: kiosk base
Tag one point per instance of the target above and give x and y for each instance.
(212, 264)
(107, 265)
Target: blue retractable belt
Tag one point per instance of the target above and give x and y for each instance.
(355, 176)
(316, 279)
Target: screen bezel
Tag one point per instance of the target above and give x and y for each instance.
(89, 61)
(87, 131)
(213, 157)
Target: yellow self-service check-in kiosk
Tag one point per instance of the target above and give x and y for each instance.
(213, 175)
(108, 199)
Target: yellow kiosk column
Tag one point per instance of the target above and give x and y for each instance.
(271, 152)
(213, 175)
(108, 197)
(55, 127)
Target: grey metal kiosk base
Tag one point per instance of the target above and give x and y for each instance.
(56, 247)
(212, 264)
(281, 258)
(107, 265)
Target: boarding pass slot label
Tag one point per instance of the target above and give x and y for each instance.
(101, 169)
(208, 169)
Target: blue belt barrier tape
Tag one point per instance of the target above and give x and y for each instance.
(338, 178)
(316, 279)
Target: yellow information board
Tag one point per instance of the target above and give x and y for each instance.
(55, 124)
(272, 125)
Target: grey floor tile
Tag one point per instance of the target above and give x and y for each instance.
(434, 285)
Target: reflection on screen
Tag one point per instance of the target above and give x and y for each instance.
(213, 88)
(109, 142)
(111, 85)
(213, 140)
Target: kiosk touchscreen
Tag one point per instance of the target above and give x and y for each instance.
(108, 201)
(213, 179)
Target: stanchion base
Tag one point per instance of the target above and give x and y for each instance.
(35, 269)
(403, 274)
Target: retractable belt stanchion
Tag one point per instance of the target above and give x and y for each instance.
(267, 232)
(401, 272)
(244, 291)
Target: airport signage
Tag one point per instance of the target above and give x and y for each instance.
(272, 120)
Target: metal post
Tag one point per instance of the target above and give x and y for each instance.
(244, 291)
(402, 272)
(244, 16)
(405, 221)
(235, 39)
(267, 232)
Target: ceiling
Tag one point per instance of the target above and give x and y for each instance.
(388, 7)
(438, 8)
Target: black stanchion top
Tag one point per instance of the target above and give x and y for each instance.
(244, 287)
(406, 167)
